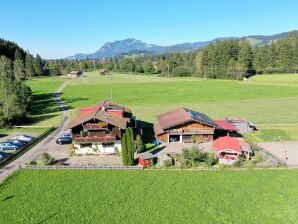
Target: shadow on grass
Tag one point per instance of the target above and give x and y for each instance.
(47, 218)
(8, 197)
(44, 107)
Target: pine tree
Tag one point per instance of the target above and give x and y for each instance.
(29, 65)
(6, 68)
(246, 58)
(38, 65)
(124, 151)
(19, 70)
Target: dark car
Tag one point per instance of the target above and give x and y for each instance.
(8, 146)
(64, 140)
(16, 142)
(3, 155)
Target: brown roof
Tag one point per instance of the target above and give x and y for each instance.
(157, 129)
(100, 115)
(181, 116)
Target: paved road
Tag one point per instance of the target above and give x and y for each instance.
(44, 145)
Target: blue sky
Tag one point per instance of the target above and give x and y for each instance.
(56, 29)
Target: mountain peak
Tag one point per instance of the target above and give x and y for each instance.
(125, 46)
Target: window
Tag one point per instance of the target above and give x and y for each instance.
(109, 144)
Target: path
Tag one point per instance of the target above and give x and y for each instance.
(45, 144)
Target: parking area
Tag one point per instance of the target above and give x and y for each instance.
(285, 151)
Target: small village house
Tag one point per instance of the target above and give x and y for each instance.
(185, 126)
(229, 149)
(75, 74)
(98, 129)
(241, 124)
(104, 72)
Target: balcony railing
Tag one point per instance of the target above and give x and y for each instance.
(88, 139)
(95, 127)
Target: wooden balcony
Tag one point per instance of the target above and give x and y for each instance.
(88, 139)
(95, 127)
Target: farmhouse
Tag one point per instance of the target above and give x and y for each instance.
(98, 129)
(229, 149)
(104, 72)
(185, 126)
(241, 124)
(75, 74)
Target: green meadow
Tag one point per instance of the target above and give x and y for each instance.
(57, 196)
(270, 101)
(272, 106)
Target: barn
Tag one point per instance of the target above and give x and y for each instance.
(75, 74)
(185, 126)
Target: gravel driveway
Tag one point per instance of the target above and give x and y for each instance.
(286, 151)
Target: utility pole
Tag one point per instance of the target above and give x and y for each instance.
(204, 72)
(168, 71)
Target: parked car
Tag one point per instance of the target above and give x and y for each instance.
(14, 142)
(3, 155)
(25, 138)
(8, 146)
(64, 140)
(67, 135)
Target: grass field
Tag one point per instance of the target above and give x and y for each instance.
(270, 101)
(150, 196)
(262, 100)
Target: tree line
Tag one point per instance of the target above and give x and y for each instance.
(226, 59)
(15, 96)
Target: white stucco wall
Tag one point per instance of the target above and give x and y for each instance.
(98, 148)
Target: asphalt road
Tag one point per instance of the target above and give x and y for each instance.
(45, 144)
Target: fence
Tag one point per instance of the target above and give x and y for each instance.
(26, 148)
(62, 167)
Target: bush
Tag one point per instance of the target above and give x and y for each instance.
(181, 71)
(45, 159)
(117, 152)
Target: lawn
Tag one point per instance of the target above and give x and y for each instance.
(259, 101)
(262, 196)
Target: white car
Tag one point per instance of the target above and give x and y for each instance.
(25, 138)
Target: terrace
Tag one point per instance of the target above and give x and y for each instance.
(88, 139)
(99, 126)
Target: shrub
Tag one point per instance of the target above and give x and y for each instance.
(45, 159)
(117, 152)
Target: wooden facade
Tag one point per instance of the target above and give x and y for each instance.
(188, 132)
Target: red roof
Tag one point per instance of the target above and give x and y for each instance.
(225, 125)
(227, 142)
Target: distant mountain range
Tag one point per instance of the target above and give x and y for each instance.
(127, 46)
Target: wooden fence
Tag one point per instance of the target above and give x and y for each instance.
(26, 147)
(63, 167)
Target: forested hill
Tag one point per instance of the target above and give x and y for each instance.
(8, 49)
